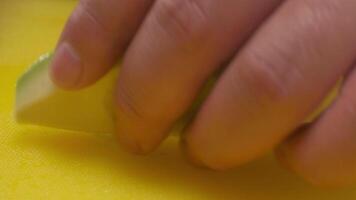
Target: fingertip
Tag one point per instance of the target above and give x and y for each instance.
(290, 159)
(281, 154)
(133, 135)
(66, 67)
(284, 151)
(188, 155)
(95, 36)
(132, 146)
(311, 171)
(200, 157)
(130, 143)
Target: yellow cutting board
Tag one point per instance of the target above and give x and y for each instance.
(40, 163)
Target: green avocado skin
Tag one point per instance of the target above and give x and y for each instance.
(34, 82)
(39, 66)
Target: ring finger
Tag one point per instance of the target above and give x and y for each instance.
(279, 78)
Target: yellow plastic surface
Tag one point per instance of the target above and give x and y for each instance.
(40, 163)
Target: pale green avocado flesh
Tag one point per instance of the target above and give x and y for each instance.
(40, 102)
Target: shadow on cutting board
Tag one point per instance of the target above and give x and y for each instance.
(262, 179)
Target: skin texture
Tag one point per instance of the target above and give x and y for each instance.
(278, 60)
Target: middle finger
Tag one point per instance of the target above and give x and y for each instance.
(178, 47)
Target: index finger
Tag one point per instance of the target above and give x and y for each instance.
(95, 35)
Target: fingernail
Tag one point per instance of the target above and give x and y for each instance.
(66, 66)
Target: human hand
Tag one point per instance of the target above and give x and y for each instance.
(279, 60)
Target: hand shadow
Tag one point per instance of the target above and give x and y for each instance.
(262, 179)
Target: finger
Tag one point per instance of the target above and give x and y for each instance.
(279, 78)
(178, 47)
(95, 35)
(324, 153)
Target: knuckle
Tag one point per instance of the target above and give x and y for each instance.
(266, 77)
(90, 16)
(126, 103)
(181, 19)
